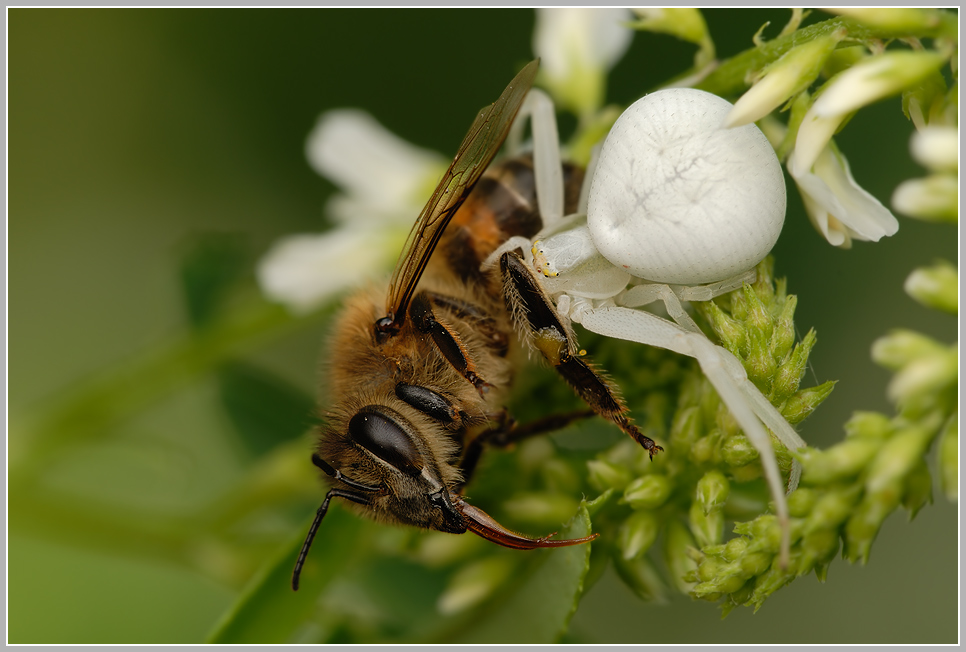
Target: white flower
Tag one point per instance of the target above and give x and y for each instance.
(577, 47)
(384, 178)
(838, 207)
(301, 271)
(867, 81)
(385, 183)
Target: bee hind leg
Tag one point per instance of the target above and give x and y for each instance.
(507, 432)
(544, 329)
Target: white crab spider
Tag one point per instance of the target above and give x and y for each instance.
(678, 209)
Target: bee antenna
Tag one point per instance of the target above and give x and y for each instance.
(335, 473)
(319, 515)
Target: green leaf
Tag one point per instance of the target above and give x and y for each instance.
(268, 610)
(538, 609)
(265, 410)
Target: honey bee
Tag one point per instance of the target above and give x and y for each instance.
(419, 372)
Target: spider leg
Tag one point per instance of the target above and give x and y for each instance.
(725, 373)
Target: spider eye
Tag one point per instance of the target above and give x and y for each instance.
(386, 439)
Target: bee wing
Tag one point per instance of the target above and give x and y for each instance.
(478, 148)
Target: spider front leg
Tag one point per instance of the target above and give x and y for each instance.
(725, 373)
(753, 398)
(540, 325)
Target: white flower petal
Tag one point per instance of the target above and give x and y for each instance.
(760, 100)
(351, 211)
(352, 149)
(588, 38)
(834, 231)
(302, 271)
(875, 78)
(812, 139)
(829, 189)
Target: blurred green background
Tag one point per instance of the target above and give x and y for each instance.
(134, 132)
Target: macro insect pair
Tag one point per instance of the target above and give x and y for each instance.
(504, 250)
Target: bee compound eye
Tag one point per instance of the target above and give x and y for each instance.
(386, 439)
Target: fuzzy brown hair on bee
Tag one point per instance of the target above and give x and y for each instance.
(418, 374)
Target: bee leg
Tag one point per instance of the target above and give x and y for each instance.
(508, 432)
(448, 342)
(482, 323)
(540, 323)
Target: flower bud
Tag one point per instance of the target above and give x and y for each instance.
(764, 531)
(843, 59)
(872, 425)
(925, 103)
(937, 148)
(648, 491)
(843, 460)
(703, 450)
(755, 563)
(712, 490)
(925, 377)
(900, 347)
(643, 579)
(737, 451)
(832, 508)
(804, 402)
(746, 473)
(604, 475)
(949, 458)
(933, 198)
(678, 547)
(769, 582)
(818, 549)
(790, 374)
(759, 363)
(918, 489)
(707, 527)
(734, 549)
(726, 578)
(867, 518)
(783, 336)
(903, 21)
(637, 533)
(758, 317)
(741, 597)
(686, 24)
(935, 287)
(896, 458)
(687, 427)
(875, 78)
(474, 583)
(801, 501)
(789, 75)
(731, 332)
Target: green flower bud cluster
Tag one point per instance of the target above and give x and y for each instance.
(709, 473)
(756, 324)
(848, 490)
